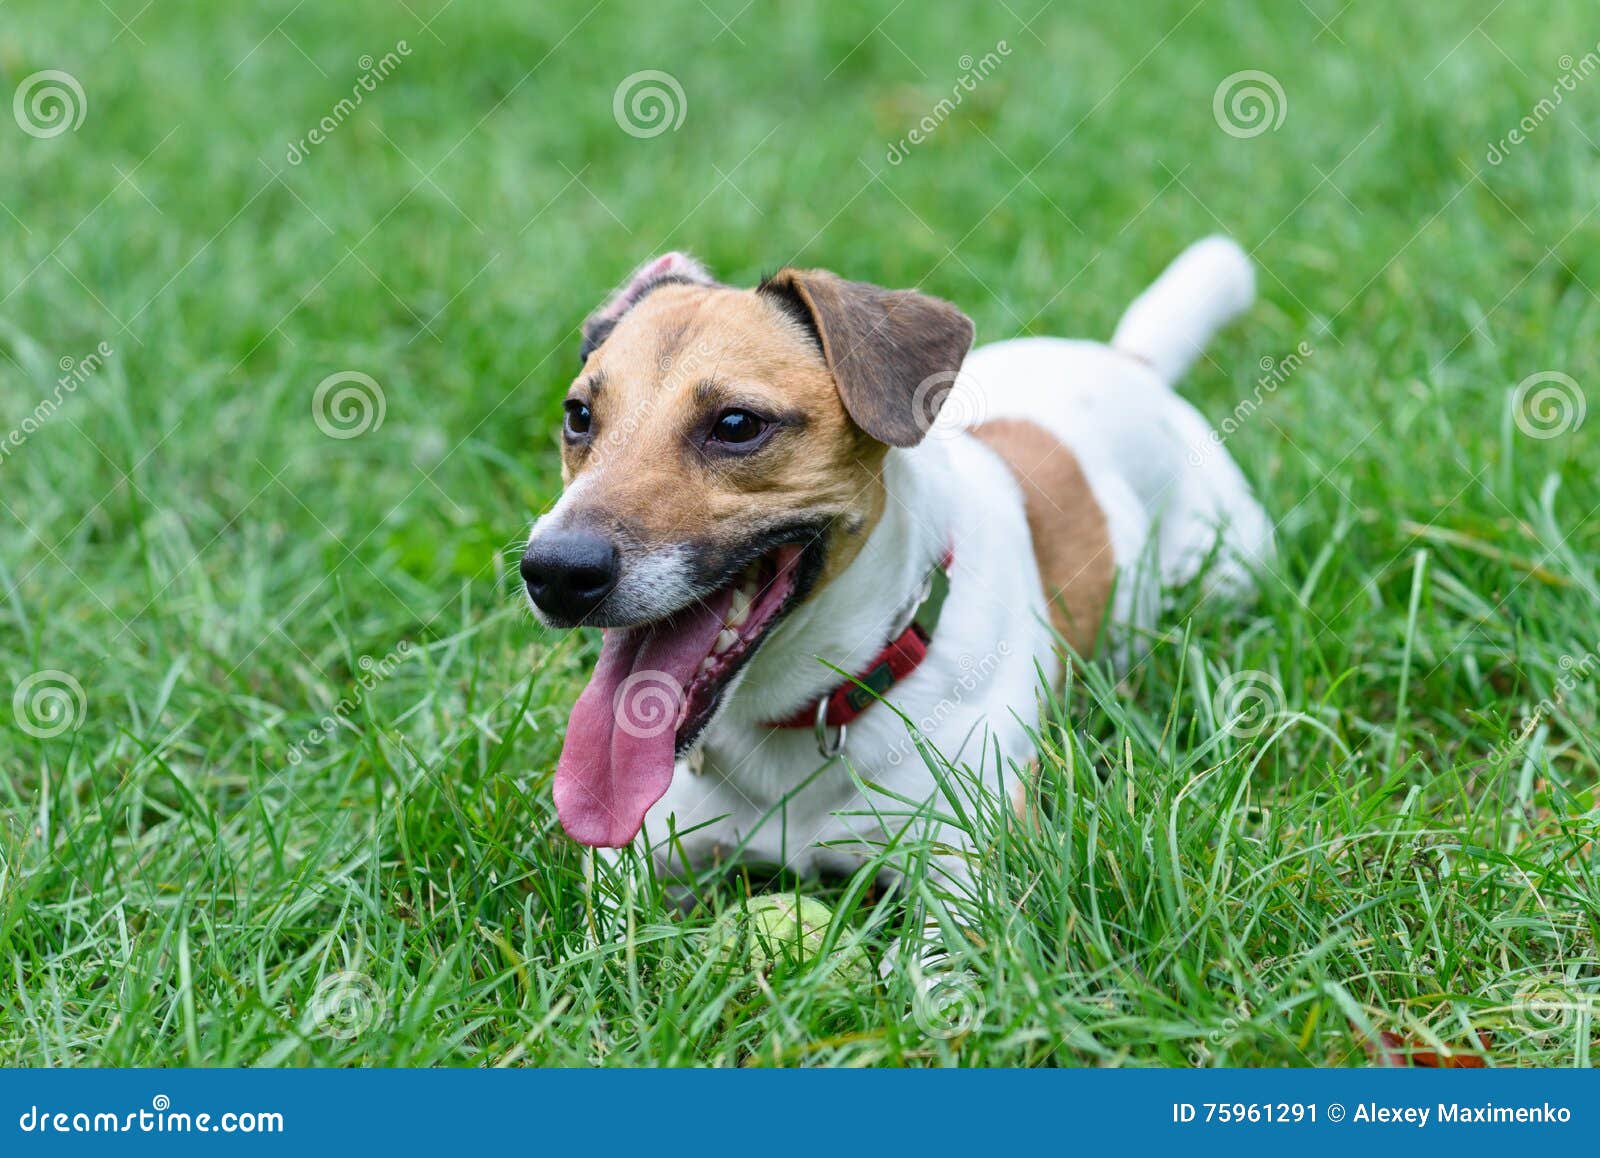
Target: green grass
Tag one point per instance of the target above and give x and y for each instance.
(1395, 850)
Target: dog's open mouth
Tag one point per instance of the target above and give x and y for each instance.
(654, 689)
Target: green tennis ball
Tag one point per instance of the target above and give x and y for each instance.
(782, 929)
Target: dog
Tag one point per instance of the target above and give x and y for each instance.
(805, 513)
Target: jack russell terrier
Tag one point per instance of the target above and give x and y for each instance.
(789, 503)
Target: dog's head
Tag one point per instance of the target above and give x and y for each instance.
(722, 451)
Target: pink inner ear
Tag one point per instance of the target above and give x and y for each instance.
(673, 264)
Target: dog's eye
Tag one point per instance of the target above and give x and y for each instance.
(578, 417)
(736, 427)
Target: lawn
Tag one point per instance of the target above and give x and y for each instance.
(290, 297)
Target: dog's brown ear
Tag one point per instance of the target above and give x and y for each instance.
(668, 269)
(893, 353)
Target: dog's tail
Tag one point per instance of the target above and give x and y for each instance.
(1167, 326)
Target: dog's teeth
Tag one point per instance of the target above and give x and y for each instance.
(740, 610)
(725, 640)
(707, 664)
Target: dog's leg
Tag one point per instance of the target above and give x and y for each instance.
(933, 955)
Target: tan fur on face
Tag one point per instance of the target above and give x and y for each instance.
(1070, 539)
(675, 361)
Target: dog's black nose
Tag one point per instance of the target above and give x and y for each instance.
(568, 573)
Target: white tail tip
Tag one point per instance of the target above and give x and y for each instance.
(1211, 283)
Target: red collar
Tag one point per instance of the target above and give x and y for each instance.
(901, 656)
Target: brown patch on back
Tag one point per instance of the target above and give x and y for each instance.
(1071, 543)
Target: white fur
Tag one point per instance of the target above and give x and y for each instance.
(978, 688)
(1210, 284)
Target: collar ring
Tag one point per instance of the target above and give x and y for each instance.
(826, 747)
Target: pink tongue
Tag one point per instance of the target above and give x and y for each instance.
(617, 759)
